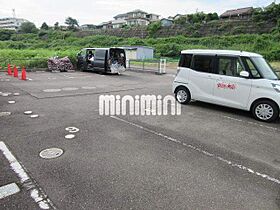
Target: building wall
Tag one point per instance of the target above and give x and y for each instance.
(145, 53)
(11, 23)
(131, 54)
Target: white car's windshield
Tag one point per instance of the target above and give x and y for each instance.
(264, 68)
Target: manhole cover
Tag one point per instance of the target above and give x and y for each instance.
(34, 116)
(2, 114)
(72, 129)
(70, 89)
(52, 90)
(11, 102)
(51, 153)
(88, 88)
(70, 136)
(28, 112)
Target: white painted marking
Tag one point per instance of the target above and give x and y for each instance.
(5, 94)
(251, 123)
(8, 190)
(11, 102)
(70, 88)
(34, 116)
(28, 112)
(72, 129)
(25, 179)
(235, 165)
(70, 136)
(52, 90)
(51, 153)
(88, 88)
(3, 114)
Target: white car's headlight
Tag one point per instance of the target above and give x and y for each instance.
(276, 87)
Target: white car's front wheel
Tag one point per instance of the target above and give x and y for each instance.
(183, 95)
(265, 110)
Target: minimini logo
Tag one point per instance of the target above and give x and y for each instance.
(139, 105)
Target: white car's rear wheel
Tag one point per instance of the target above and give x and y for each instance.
(266, 111)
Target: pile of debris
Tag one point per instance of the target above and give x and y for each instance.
(60, 64)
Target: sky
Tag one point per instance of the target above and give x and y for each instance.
(97, 11)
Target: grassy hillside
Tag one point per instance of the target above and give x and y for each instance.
(52, 43)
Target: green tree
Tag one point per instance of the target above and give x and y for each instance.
(153, 28)
(56, 26)
(28, 28)
(6, 34)
(181, 20)
(72, 23)
(44, 26)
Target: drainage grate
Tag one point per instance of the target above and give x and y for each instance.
(51, 153)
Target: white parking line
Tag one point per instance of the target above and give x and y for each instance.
(217, 157)
(251, 123)
(9, 189)
(35, 192)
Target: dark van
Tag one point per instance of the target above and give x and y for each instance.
(105, 60)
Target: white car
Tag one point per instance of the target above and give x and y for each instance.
(234, 79)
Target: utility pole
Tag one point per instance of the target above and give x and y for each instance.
(14, 13)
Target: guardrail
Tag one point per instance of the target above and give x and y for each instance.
(154, 66)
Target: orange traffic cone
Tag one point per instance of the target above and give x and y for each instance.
(9, 69)
(23, 73)
(15, 72)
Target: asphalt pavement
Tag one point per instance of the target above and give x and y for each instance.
(209, 157)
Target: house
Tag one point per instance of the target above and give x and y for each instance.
(105, 25)
(139, 52)
(165, 22)
(11, 23)
(243, 13)
(135, 17)
(87, 27)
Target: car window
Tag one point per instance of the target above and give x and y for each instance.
(185, 60)
(100, 54)
(229, 66)
(203, 63)
(83, 53)
(253, 69)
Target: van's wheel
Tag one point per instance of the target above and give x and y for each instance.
(183, 95)
(265, 110)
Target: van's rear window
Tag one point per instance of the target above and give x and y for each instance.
(185, 60)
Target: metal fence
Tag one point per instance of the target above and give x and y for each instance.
(154, 66)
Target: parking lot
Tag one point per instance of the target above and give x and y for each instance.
(209, 157)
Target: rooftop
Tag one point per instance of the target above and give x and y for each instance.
(221, 52)
(236, 12)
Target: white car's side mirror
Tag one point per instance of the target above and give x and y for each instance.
(244, 74)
